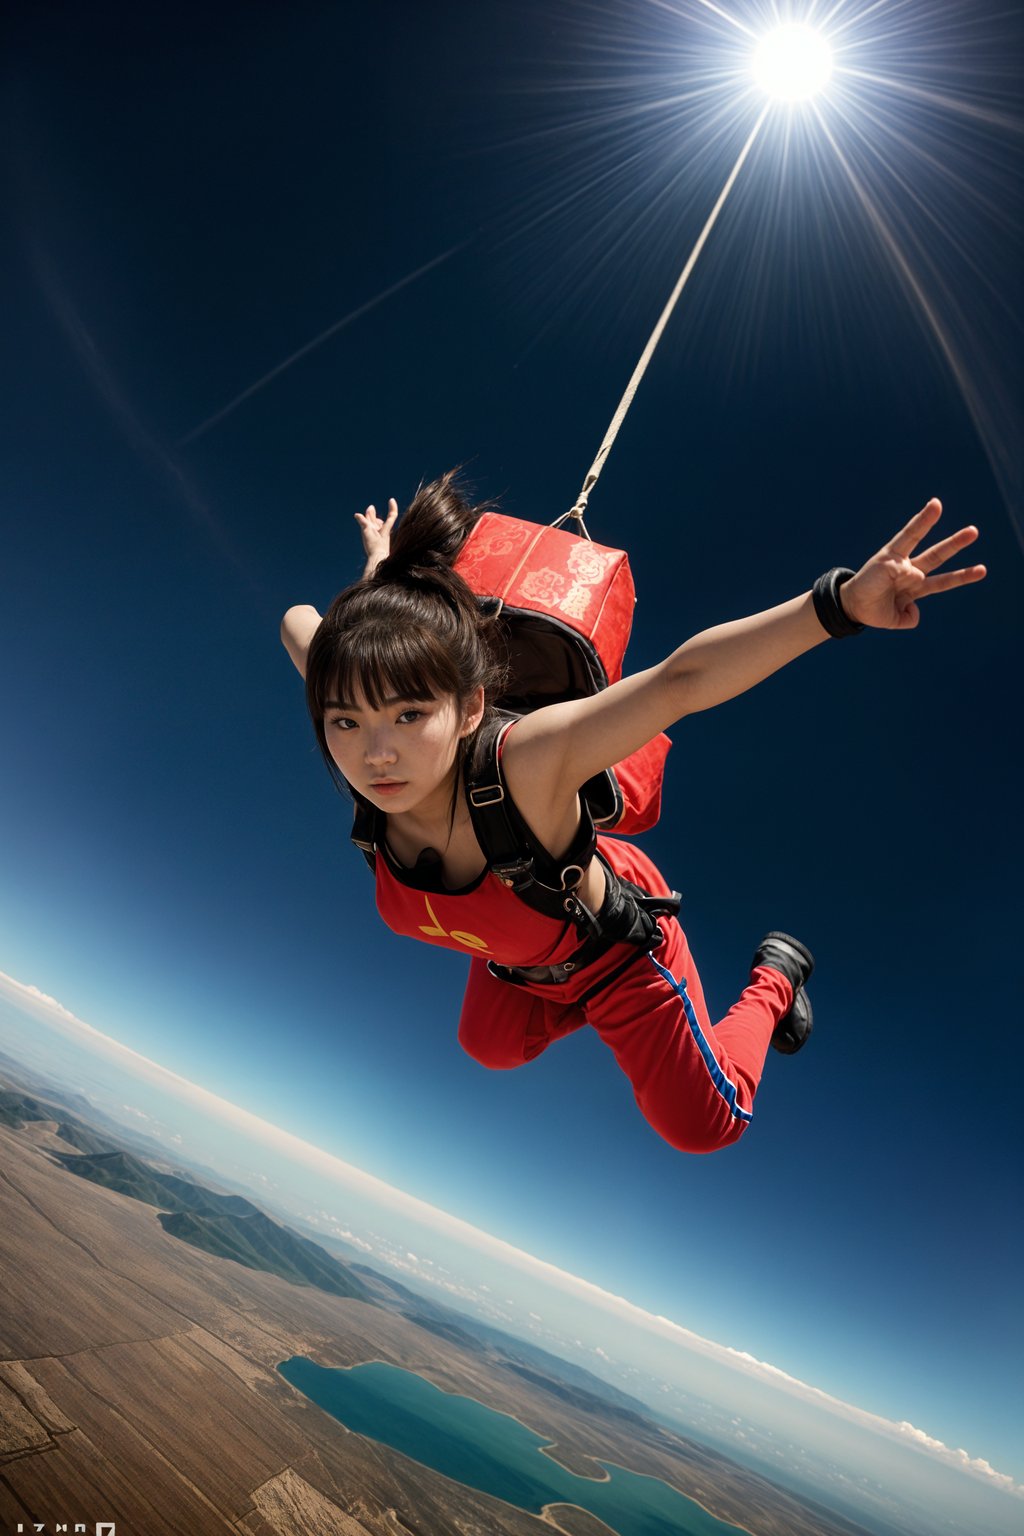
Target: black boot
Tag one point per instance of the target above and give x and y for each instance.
(794, 960)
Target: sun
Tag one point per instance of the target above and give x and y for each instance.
(793, 63)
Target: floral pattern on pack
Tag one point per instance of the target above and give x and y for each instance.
(499, 544)
(508, 540)
(543, 586)
(588, 567)
(576, 601)
(551, 572)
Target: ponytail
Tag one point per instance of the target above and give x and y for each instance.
(437, 523)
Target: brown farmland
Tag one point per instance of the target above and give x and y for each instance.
(138, 1384)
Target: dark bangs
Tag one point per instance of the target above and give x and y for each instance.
(376, 661)
(412, 631)
(372, 648)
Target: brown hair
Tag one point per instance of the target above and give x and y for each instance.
(413, 628)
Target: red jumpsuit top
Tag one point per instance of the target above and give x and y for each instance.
(486, 919)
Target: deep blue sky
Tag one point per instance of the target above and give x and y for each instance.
(192, 197)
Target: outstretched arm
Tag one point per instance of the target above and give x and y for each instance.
(568, 743)
(298, 627)
(300, 623)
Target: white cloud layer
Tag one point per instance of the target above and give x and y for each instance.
(904, 1433)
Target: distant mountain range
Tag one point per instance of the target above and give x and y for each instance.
(228, 1226)
(259, 1243)
(17, 1107)
(574, 1384)
(127, 1174)
(232, 1227)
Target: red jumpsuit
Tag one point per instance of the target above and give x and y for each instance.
(694, 1083)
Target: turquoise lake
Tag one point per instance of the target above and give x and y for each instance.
(489, 1451)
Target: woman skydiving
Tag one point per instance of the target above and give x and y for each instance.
(401, 674)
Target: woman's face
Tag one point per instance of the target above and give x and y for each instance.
(400, 756)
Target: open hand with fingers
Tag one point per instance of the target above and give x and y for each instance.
(885, 592)
(376, 532)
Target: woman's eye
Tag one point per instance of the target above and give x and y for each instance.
(409, 715)
(343, 723)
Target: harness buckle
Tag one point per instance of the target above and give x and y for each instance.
(494, 794)
(515, 873)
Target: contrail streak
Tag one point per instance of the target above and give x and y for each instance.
(144, 443)
(318, 341)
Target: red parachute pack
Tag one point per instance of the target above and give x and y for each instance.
(568, 604)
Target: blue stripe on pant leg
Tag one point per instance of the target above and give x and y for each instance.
(724, 1087)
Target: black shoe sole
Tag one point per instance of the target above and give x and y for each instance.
(793, 1031)
(796, 962)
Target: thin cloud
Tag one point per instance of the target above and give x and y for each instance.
(142, 441)
(325, 1163)
(904, 1432)
(318, 341)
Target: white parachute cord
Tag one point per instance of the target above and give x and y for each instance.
(580, 507)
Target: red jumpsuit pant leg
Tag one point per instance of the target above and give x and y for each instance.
(694, 1083)
(502, 1025)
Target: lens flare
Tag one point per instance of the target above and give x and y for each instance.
(873, 228)
(792, 63)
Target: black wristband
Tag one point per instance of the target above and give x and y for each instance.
(829, 608)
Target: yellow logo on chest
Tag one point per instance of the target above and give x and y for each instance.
(470, 940)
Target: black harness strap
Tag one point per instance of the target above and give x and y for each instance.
(628, 913)
(513, 852)
(366, 831)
